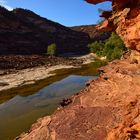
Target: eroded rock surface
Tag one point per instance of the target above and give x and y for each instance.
(108, 108)
(125, 20)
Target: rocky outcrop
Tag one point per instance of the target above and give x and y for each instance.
(125, 20)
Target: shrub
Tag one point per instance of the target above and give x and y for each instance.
(113, 48)
(96, 47)
(51, 49)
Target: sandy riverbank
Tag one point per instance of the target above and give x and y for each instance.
(89, 58)
(28, 76)
(31, 75)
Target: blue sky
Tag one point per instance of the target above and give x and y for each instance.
(66, 12)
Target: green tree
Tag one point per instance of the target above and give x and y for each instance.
(113, 48)
(96, 47)
(51, 50)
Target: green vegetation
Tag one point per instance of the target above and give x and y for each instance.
(96, 47)
(51, 49)
(113, 48)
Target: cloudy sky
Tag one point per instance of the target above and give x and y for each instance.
(5, 4)
(66, 12)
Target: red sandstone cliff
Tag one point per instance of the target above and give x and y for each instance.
(125, 20)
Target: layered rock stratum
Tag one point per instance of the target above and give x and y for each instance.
(109, 107)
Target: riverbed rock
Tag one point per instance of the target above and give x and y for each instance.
(65, 102)
(18, 62)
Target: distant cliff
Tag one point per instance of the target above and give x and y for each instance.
(24, 32)
(93, 33)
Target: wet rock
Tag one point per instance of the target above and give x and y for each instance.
(65, 102)
(87, 84)
(101, 71)
(106, 78)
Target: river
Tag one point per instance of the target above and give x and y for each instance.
(21, 107)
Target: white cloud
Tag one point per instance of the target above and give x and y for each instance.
(4, 4)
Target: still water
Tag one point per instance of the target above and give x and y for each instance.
(20, 107)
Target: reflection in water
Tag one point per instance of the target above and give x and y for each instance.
(21, 107)
(89, 69)
(18, 111)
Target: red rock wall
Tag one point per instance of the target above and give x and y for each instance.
(125, 20)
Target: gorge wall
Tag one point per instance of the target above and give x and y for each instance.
(124, 19)
(24, 32)
(94, 34)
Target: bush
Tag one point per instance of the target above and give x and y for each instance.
(96, 47)
(113, 48)
(51, 49)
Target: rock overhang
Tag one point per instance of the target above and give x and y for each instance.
(124, 19)
(97, 1)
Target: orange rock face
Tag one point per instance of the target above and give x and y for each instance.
(125, 20)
